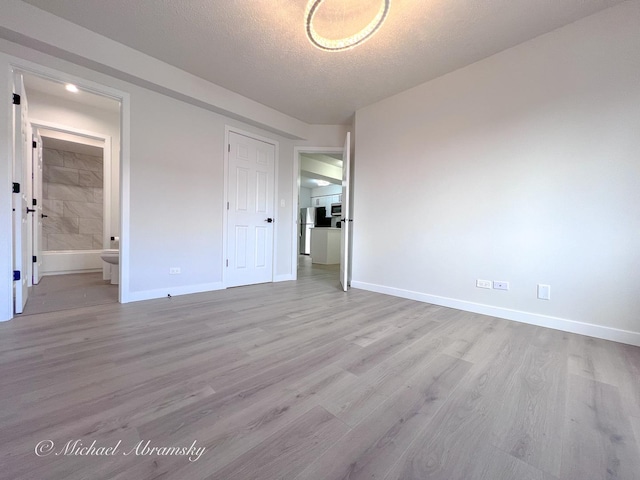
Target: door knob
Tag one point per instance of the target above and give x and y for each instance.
(269, 220)
(42, 215)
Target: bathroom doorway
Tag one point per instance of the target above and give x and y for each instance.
(76, 134)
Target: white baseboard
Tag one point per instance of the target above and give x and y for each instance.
(185, 290)
(173, 291)
(556, 323)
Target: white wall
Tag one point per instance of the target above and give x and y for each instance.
(176, 186)
(305, 197)
(177, 195)
(326, 190)
(523, 167)
(326, 135)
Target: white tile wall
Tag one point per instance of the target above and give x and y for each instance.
(72, 191)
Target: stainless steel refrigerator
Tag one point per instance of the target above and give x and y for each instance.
(307, 222)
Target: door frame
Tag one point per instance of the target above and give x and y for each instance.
(295, 201)
(17, 64)
(20, 170)
(106, 172)
(225, 217)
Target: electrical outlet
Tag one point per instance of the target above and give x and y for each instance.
(501, 285)
(483, 283)
(544, 292)
(174, 271)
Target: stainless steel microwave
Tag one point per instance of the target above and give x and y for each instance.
(336, 209)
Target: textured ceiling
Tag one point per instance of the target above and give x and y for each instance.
(258, 48)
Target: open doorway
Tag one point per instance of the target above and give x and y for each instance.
(75, 171)
(320, 214)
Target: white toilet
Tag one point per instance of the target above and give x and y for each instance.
(112, 257)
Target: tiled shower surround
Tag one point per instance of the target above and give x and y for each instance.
(72, 199)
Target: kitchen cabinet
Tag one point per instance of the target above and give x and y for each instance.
(326, 201)
(325, 245)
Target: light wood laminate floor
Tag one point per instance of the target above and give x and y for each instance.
(299, 380)
(65, 292)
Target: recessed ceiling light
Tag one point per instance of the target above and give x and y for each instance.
(322, 183)
(71, 88)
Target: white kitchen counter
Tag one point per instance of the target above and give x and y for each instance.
(325, 245)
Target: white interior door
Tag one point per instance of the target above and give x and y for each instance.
(250, 188)
(345, 253)
(37, 201)
(28, 186)
(21, 157)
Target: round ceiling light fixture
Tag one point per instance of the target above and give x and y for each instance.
(338, 44)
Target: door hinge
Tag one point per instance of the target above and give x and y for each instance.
(16, 275)
(229, 148)
(34, 144)
(34, 259)
(16, 99)
(227, 205)
(227, 262)
(16, 187)
(34, 202)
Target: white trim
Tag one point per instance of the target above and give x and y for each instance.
(556, 323)
(125, 197)
(106, 173)
(27, 66)
(174, 291)
(107, 169)
(295, 200)
(225, 199)
(79, 132)
(276, 168)
(276, 208)
(6, 200)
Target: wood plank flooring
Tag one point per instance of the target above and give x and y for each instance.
(299, 380)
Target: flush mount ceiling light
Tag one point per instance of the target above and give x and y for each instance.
(338, 44)
(322, 183)
(71, 88)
